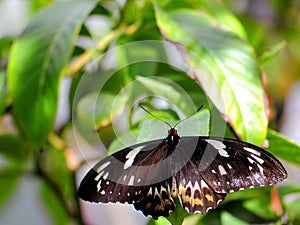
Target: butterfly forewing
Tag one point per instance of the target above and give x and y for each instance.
(124, 176)
(230, 165)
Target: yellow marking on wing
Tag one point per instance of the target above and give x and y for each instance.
(197, 201)
(209, 197)
(159, 207)
(192, 201)
(181, 191)
(175, 194)
(148, 205)
(163, 204)
(186, 199)
(168, 202)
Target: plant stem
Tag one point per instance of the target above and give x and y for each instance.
(101, 46)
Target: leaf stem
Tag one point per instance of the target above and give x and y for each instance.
(101, 46)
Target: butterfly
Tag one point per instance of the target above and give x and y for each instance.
(198, 170)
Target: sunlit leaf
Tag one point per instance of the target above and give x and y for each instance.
(224, 65)
(225, 17)
(160, 221)
(227, 218)
(37, 5)
(36, 61)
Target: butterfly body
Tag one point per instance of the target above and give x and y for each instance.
(199, 171)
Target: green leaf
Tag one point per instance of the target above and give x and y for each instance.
(12, 164)
(192, 219)
(289, 189)
(37, 5)
(11, 147)
(36, 62)
(270, 54)
(3, 92)
(260, 207)
(225, 17)
(177, 216)
(54, 168)
(169, 91)
(8, 186)
(283, 148)
(227, 218)
(224, 65)
(99, 110)
(160, 221)
(57, 211)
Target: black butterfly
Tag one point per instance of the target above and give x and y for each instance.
(200, 171)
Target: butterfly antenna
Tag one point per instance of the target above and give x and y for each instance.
(189, 116)
(147, 111)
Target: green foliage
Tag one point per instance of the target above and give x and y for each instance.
(42, 50)
(169, 56)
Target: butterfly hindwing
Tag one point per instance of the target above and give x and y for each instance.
(157, 200)
(194, 193)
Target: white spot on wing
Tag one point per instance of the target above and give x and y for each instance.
(99, 169)
(197, 186)
(219, 146)
(156, 192)
(261, 170)
(99, 186)
(208, 208)
(97, 178)
(131, 156)
(259, 160)
(250, 160)
(105, 175)
(222, 170)
(257, 177)
(131, 180)
(251, 150)
(203, 184)
(149, 192)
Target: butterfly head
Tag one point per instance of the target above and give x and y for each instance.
(173, 137)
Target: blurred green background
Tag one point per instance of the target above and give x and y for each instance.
(72, 74)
